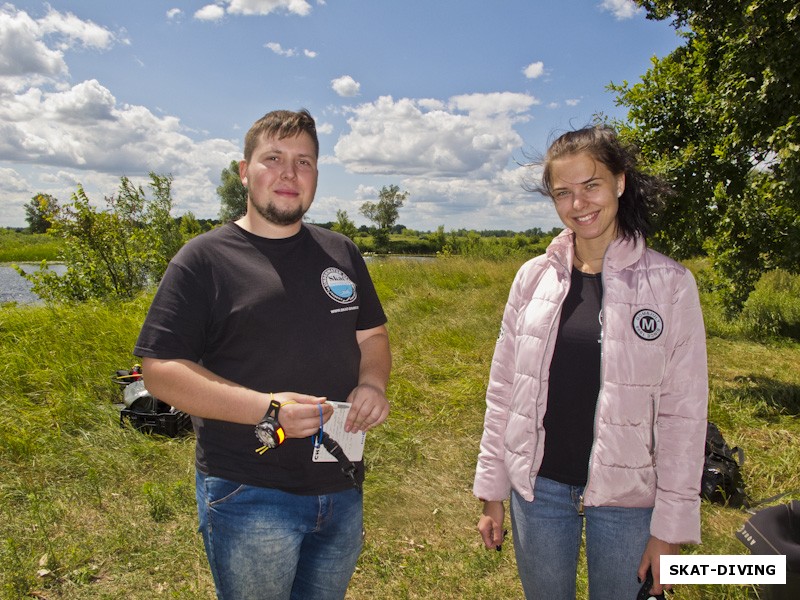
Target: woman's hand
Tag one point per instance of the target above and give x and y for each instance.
(490, 524)
(652, 558)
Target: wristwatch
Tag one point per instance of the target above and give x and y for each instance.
(268, 431)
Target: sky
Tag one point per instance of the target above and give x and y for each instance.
(447, 99)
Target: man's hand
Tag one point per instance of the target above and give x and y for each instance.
(369, 408)
(299, 413)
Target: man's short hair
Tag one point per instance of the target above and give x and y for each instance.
(281, 124)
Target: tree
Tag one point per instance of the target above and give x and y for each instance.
(385, 212)
(719, 118)
(232, 194)
(111, 253)
(344, 224)
(189, 227)
(37, 211)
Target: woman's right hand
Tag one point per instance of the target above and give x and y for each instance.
(490, 524)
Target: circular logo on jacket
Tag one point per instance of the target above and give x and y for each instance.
(648, 324)
(338, 285)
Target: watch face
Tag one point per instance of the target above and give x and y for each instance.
(266, 434)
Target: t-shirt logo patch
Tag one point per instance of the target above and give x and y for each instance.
(338, 285)
(648, 324)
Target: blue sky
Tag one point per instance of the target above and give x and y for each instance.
(443, 98)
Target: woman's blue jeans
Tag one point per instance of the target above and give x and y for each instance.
(547, 541)
(265, 544)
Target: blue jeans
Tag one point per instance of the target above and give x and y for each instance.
(547, 541)
(265, 544)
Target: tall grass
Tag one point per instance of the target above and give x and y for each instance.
(19, 247)
(92, 510)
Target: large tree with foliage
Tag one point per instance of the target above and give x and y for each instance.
(344, 224)
(385, 212)
(37, 211)
(115, 252)
(232, 194)
(720, 119)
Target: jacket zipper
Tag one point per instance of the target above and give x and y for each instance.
(653, 430)
(602, 380)
(554, 322)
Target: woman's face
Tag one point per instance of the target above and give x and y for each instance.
(586, 196)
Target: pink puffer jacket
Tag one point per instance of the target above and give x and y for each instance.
(650, 421)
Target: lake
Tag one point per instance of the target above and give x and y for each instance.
(15, 288)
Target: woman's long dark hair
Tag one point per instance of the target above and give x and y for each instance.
(643, 193)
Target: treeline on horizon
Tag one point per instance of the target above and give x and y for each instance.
(534, 232)
(402, 240)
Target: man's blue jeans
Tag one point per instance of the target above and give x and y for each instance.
(265, 544)
(547, 540)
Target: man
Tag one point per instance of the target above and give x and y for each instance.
(261, 321)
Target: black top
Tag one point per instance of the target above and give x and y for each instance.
(574, 383)
(271, 315)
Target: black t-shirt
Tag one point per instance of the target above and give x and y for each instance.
(271, 315)
(574, 383)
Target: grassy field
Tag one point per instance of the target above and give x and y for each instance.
(92, 510)
(23, 247)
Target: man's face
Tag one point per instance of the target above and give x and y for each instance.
(281, 178)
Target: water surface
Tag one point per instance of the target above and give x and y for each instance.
(15, 288)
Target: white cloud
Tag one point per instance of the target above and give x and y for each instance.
(473, 136)
(496, 103)
(534, 70)
(310, 53)
(324, 128)
(346, 86)
(174, 13)
(456, 158)
(25, 56)
(22, 51)
(210, 12)
(73, 31)
(73, 128)
(12, 182)
(572, 102)
(621, 9)
(455, 202)
(279, 50)
(85, 133)
(265, 7)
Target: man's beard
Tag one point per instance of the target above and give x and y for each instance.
(271, 213)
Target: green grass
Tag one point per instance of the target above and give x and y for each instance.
(21, 247)
(92, 510)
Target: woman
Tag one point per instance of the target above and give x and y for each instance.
(597, 399)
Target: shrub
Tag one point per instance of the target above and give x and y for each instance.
(113, 253)
(773, 308)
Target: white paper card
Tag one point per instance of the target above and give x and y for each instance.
(351, 443)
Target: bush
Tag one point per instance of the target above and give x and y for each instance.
(112, 253)
(773, 308)
(473, 245)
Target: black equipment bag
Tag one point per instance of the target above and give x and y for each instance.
(722, 481)
(776, 530)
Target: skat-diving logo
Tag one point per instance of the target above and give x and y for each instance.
(338, 286)
(648, 324)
